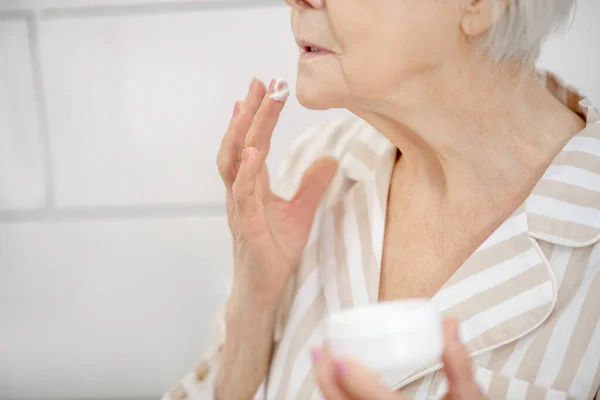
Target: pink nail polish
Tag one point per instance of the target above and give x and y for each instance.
(340, 368)
(314, 355)
(271, 86)
(236, 109)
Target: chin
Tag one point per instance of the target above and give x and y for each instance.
(313, 100)
(315, 95)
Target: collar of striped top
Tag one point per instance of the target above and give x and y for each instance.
(564, 207)
(507, 288)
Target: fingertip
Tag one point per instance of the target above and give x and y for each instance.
(340, 367)
(331, 167)
(315, 354)
(261, 85)
(360, 382)
(456, 357)
(256, 92)
(327, 161)
(257, 84)
(318, 365)
(279, 90)
(241, 118)
(252, 81)
(451, 330)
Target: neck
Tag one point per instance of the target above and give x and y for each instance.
(473, 130)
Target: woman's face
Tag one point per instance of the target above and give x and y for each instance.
(376, 47)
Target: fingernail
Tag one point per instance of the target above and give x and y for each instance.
(251, 84)
(457, 332)
(314, 355)
(340, 367)
(271, 86)
(245, 154)
(236, 109)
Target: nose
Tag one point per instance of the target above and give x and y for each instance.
(305, 3)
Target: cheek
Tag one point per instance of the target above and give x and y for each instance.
(395, 52)
(359, 43)
(373, 61)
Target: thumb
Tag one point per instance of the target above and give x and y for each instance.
(314, 183)
(458, 365)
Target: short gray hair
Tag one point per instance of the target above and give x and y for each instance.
(526, 24)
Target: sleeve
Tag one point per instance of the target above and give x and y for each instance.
(199, 383)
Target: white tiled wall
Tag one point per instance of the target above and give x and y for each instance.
(111, 211)
(145, 98)
(21, 170)
(107, 308)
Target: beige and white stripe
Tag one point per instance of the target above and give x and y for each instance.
(528, 299)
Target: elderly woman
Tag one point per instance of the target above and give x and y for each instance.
(467, 178)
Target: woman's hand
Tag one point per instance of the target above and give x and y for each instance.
(269, 236)
(346, 380)
(269, 232)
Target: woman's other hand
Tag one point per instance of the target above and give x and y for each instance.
(345, 380)
(269, 232)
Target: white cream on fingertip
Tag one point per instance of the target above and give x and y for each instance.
(281, 90)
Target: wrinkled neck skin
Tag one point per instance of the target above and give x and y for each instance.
(471, 129)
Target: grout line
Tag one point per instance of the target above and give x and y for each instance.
(155, 8)
(14, 15)
(139, 211)
(33, 30)
(82, 398)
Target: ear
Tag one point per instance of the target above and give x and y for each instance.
(481, 15)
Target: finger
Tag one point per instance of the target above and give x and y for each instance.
(359, 383)
(255, 95)
(265, 120)
(324, 373)
(229, 155)
(457, 364)
(313, 186)
(253, 100)
(456, 355)
(263, 183)
(261, 129)
(243, 190)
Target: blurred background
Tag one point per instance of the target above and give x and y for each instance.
(114, 246)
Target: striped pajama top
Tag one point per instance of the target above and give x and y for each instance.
(528, 298)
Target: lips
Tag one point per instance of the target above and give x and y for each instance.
(308, 47)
